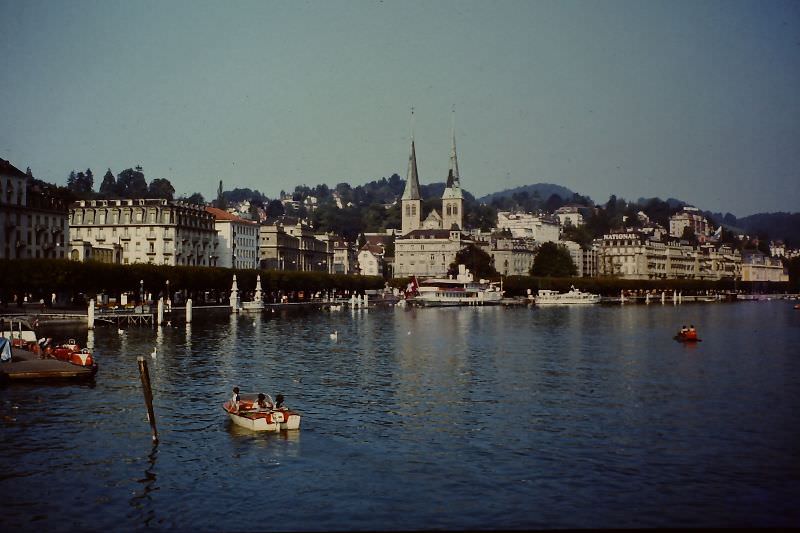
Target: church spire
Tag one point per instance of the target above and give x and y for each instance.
(411, 191)
(453, 187)
(453, 179)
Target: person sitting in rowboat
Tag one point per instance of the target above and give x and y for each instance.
(279, 401)
(261, 404)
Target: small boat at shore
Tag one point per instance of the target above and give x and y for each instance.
(268, 420)
(26, 358)
(20, 365)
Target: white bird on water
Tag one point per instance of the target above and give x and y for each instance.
(335, 336)
(120, 331)
(155, 353)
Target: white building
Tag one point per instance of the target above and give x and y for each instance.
(631, 255)
(427, 252)
(569, 215)
(759, 267)
(370, 260)
(345, 258)
(576, 254)
(31, 226)
(238, 240)
(542, 228)
(153, 231)
(512, 257)
(287, 243)
(689, 217)
(777, 249)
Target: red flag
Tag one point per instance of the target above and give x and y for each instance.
(412, 287)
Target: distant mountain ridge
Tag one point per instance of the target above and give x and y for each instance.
(543, 190)
(777, 226)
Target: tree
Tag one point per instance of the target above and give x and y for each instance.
(108, 188)
(131, 183)
(553, 203)
(88, 181)
(275, 209)
(195, 198)
(81, 183)
(72, 181)
(161, 188)
(688, 235)
(220, 203)
(579, 234)
(479, 263)
(553, 260)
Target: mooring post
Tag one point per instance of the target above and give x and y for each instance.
(189, 311)
(160, 311)
(148, 395)
(90, 315)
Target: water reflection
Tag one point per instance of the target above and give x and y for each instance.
(90, 340)
(142, 500)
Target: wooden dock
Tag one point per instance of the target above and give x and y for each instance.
(25, 365)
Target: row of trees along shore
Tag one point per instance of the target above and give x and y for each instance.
(41, 277)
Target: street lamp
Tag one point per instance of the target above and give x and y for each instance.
(141, 291)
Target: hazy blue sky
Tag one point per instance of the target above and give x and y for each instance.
(696, 100)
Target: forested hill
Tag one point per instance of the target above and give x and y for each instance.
(783, 226)
(542, 190)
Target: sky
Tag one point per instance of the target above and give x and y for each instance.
(695, 100)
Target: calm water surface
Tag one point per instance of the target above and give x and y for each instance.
(469, 418)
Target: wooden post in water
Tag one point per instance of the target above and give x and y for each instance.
(161, 311)
(148, 395)
(90, 315)
(189, 311)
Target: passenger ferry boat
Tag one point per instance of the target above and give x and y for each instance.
(463, 290)
(574, 296)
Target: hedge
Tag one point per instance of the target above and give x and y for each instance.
(43, 276)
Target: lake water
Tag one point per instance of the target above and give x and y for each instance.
(459, 418)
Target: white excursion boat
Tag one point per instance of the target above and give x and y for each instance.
(574, 296)
(462, 290)
(269, 420)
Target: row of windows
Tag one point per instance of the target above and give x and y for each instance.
(13, 195)
(138, 215)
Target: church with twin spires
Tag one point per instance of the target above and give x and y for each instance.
(452, 215)
(426, 247)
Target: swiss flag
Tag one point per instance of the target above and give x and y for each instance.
(412, 287)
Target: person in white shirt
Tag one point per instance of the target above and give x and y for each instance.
(235, 399)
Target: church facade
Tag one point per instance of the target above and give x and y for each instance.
(427, 247)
